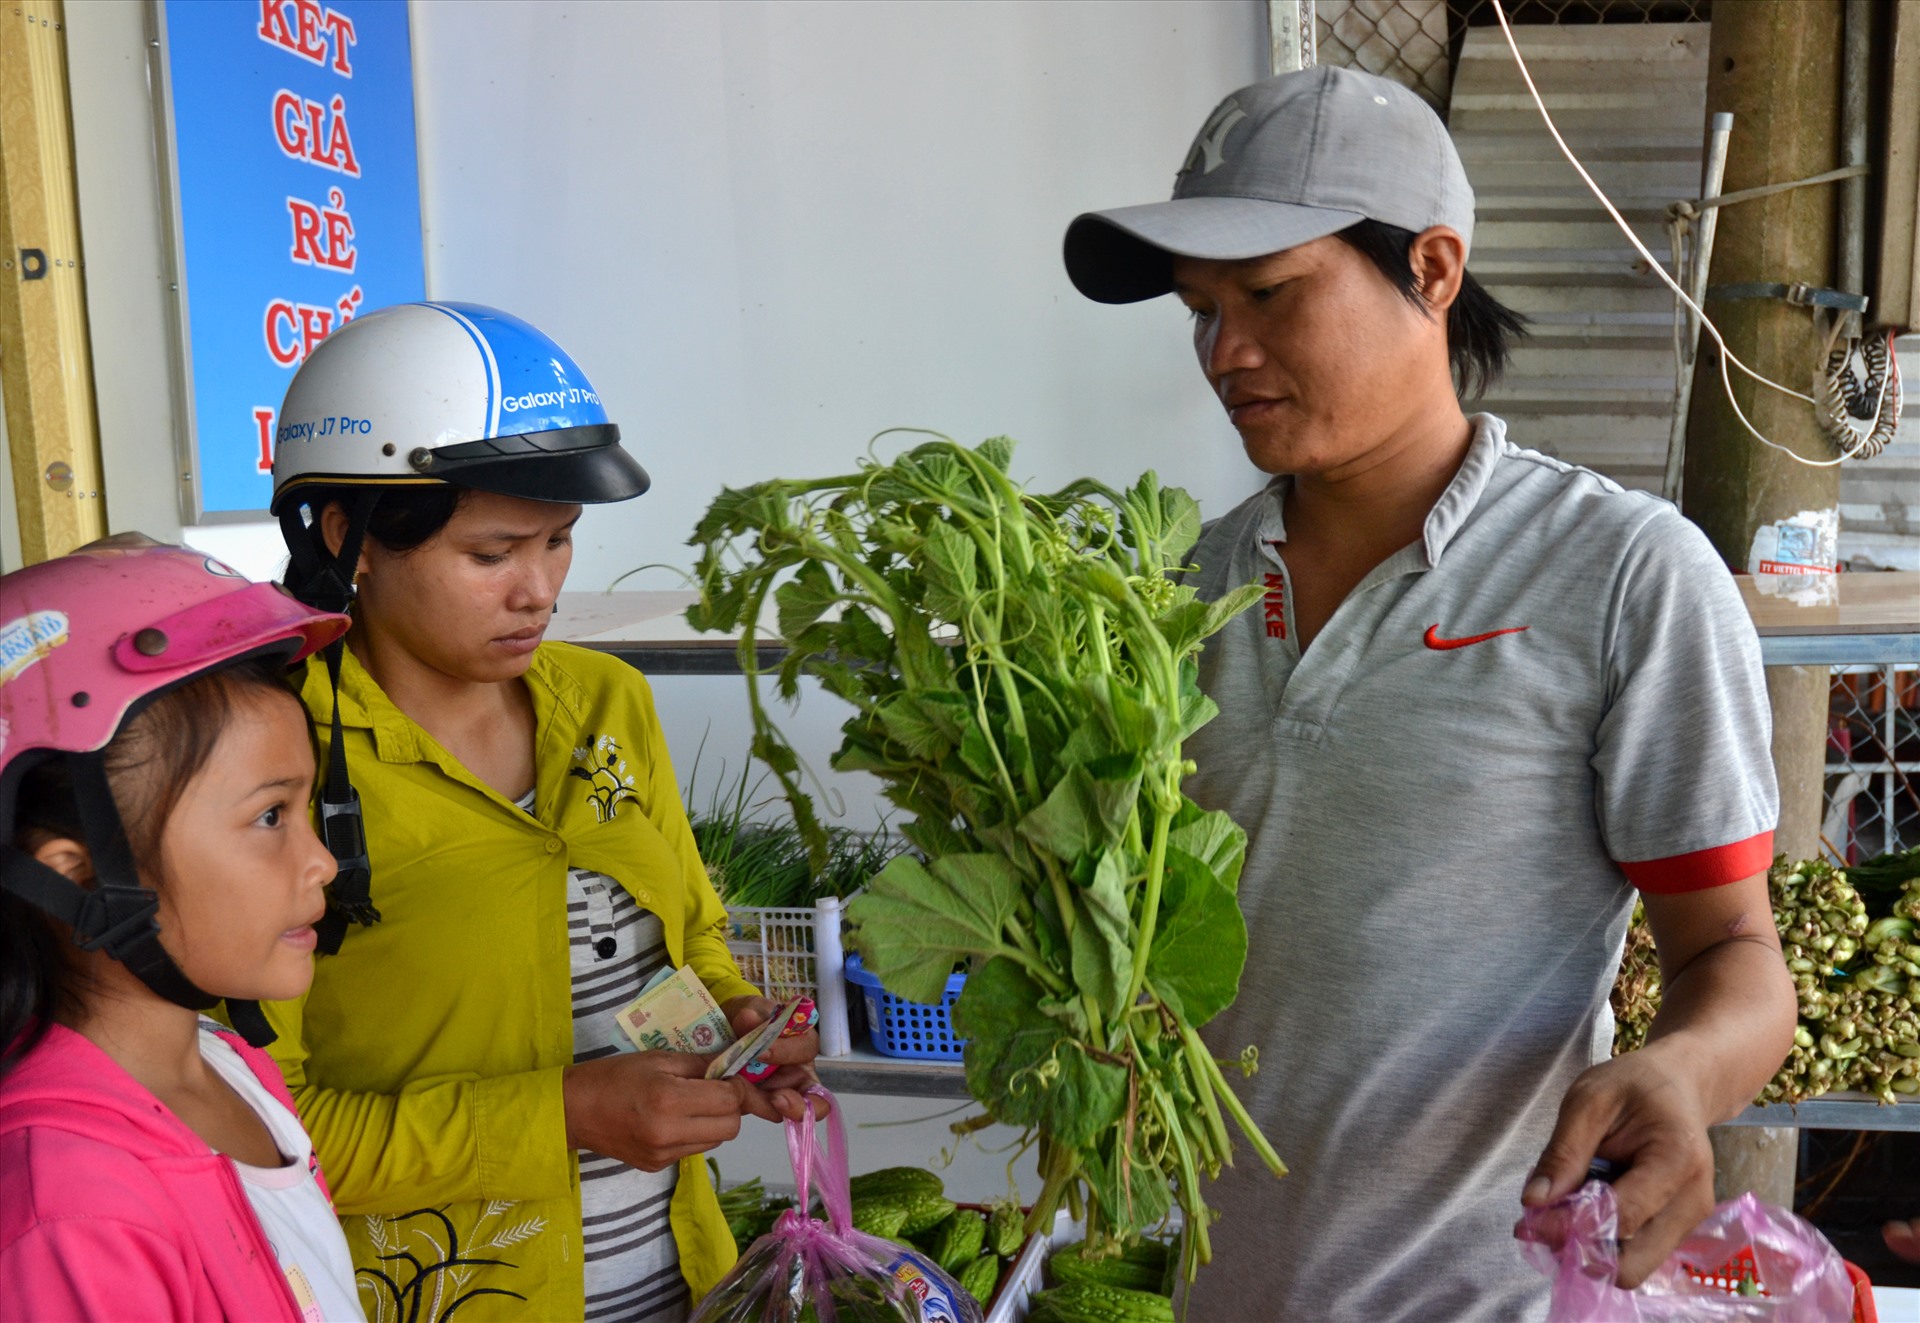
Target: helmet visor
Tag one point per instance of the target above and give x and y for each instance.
(574, 465)
(222, 628)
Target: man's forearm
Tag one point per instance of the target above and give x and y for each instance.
(1726, 1021)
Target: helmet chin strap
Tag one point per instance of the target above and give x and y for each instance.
(325, 582)
(115, 914)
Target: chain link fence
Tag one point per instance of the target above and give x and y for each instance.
(1417, 42)
(1873, 762)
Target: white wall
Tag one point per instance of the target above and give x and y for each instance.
(770, 230)
(766, 230)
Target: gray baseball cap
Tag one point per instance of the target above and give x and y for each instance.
(1285, 161)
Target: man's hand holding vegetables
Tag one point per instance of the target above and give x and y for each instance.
(1489, 696)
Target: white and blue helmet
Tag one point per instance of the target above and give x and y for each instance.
(448, 392)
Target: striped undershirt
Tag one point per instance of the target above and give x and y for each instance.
(632, 1263)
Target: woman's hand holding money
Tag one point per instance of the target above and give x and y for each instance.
(650, 1109)
(793, 1055)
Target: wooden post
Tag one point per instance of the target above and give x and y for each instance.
(46, 360)
(1777, 67)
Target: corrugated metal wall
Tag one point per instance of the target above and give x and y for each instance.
(1594, 383)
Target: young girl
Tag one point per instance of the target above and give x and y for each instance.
(155, 855)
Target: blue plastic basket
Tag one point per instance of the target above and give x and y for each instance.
(903, 1028)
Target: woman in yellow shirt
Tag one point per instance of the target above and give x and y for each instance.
(492, 1148)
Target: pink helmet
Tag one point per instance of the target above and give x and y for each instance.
(85, 640)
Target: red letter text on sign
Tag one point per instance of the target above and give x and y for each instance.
(303, 37)
(263, 424)
(290, 125)
(294, 329)
(285, 352)
(309, 131)
(315, 324)
(306, 232)
(341, 254)
(323, 236)
(339, 153)
(273, 26)
(310, 18)
(343, 36)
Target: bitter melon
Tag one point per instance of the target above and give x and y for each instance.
(1006, 1229)
(979, 1278)
(885, 1218)
(1086, 1302)
(957, 1241)
(1141, 1267)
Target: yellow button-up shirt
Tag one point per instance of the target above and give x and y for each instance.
(426, 1059)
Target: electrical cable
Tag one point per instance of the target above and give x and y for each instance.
(1726, 354)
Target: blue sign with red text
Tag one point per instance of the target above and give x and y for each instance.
(299, 190)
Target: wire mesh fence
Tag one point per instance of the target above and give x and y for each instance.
(1873, 762)
(1417, 42)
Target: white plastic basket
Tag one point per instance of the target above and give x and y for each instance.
(774, 949)
(1024, 1277)
(789, 953)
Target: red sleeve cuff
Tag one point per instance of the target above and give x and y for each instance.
(1702, 869)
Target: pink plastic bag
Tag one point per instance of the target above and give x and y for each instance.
(1749, 1262)
(810, 1271)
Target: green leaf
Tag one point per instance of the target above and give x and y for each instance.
(1196, 709)
(1131, 721)
(1184, 626)
(932, 838)
(1023, 1066)
(861, 636)
(948, 567)
(1087, 809)
(1089, 741)
(915, 923)
(1215, 840)
(803, 598)
(1179, 524)
(1069, 1011)
(1103, 937)
(1152, 1194)
(997, 451)
(908, 722)
(976, 753)
(1200, 941)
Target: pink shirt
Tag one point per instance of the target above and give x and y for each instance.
(111, 1208)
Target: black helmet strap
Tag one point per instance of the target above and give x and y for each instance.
(116, 914)
(325, 581)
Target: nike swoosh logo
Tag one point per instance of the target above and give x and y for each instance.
(1438, 644)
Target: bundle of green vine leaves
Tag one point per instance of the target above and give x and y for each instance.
(1023, 669)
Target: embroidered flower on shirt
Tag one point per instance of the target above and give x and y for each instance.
(605, 772)
(424, 1275)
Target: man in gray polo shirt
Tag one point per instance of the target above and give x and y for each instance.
(1488, 696)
